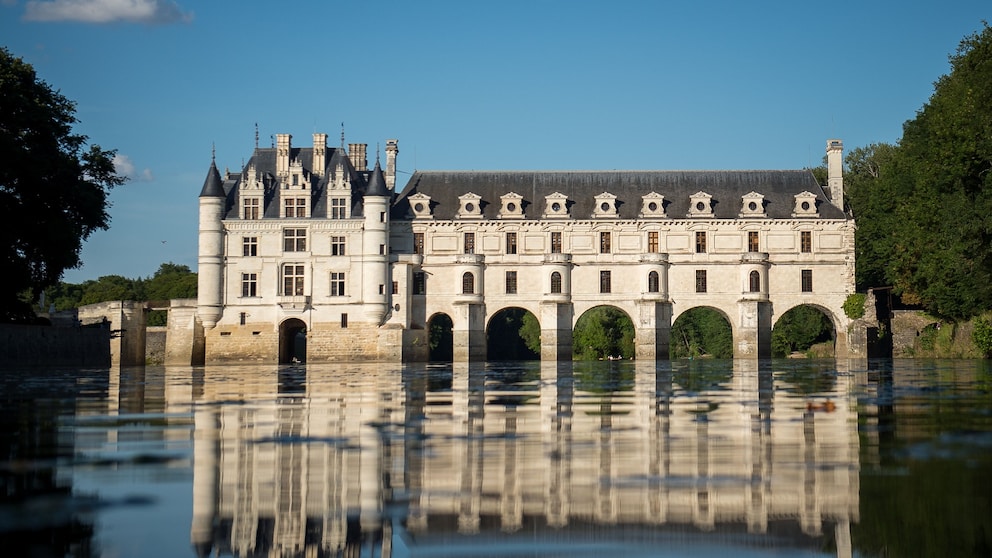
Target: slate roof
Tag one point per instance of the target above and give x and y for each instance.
(581, 187)
(264, 162)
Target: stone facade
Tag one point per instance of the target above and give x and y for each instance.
(307, 255)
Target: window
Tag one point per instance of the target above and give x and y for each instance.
(339, 209)
(807, 280)
(418, 243)
(754, 282)
(805, 242)
(249, 284)
(555, 282)
(556, 243)
(468, 283)
(700, 242)
(295, 207)
(382, 249)
(604, 243)
(653, 283)
(294, 240)
(337, 246)
(292, 279)
(419, 283)
(511, 282)
(700, 280)
(469, 243)
(396, 287)
(337, 284)
(251, 208)
(604, 282)
(344, 320)
(653, 242)
(752, 241)
(511, 243)
(296, 180)
(249, 246)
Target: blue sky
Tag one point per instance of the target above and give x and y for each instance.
(470, 85)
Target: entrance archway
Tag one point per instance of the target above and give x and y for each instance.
(513, 334)
(439, 337)
(805, 330)
(292, 341)
(702, 331)
(603, 333)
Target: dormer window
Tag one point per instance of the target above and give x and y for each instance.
(653, 205)
(700, 205)
(511, 206)
(805, 205)
(420, 205)
(470, 206)
(753, 205)
(555, 206)
(606, 206)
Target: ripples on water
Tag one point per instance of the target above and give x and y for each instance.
(708, 458)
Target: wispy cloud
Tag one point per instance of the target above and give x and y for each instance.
(107, 11)
(125, 167)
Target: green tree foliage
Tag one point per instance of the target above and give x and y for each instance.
(603, 332)
(982, 335)
(924, 207)
(799, 329)
(171, 281)
(854, 305)
(439, 339)
(530, 332)
(53, 189)
(701, 331)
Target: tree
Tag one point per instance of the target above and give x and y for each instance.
(53, 190)
(603, 332)
(701, 331)
(924, 207)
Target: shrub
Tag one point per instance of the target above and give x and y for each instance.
(982, 335)
(854, 306)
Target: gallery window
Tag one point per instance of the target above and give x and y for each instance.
(555, 282)
(419, 283)
(754, 282)
(752, 241)
(700, 242)
(653, 282)
(249, 284)
(418, 243)
(807, 280)
(653, 242)
(700, 280)
(556, 242)
(468, 283)
(604, 243)
(805, 242)
(511, 282)
(293, 276)
(294, 240)
(468, 243)
(337, 246)
(337, 283)
(511, 243)
(249, 246)
(605, 280)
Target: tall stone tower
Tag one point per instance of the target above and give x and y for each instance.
(375, 248)
(210, 270)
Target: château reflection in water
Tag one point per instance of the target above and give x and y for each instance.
(377, 460)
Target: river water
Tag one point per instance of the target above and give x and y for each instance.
(634, 459)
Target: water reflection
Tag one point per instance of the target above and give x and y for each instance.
(365, 459)
(533, 459)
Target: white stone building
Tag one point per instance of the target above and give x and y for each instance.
(306, 247)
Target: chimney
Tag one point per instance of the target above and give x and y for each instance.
(319, 154)
(392, 150)
(283, 145)
(356, 152)
(835, 172)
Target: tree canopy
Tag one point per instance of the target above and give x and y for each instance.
(924, 206)
(53, 187)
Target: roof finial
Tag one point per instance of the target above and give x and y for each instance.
(256, 136)
(377, 153)
(213, 153)
(342, 135)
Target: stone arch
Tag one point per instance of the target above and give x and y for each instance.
(695, 334)
(440, 342)
(292, 341)
(829, 316)
(614, 337)
(504, 341)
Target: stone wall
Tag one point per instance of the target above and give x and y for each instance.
(155, 344)
(23, 345)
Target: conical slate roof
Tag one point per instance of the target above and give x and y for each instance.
(212, 186)
(377, 183)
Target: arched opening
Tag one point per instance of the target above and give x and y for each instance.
(653, 282)
(804, 331)
(439, 338)
(513, 334)
(468, 283)
(754, 282)
(701, 332)
(292, 341)
(603, 333)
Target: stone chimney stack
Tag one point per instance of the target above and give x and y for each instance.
(835, 172)
(283, 146)
(319, 154)
(392, 150)
(356, 152)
